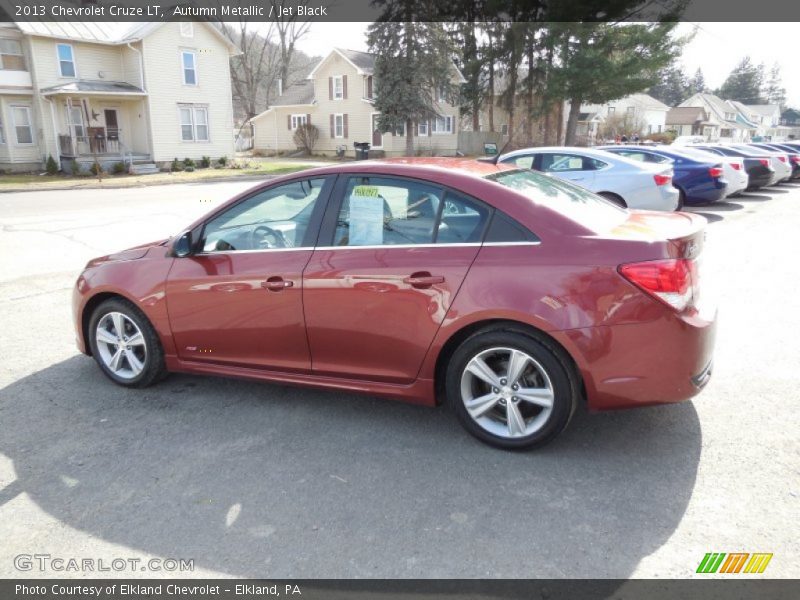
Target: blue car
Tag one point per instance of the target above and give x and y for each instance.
(699, 181)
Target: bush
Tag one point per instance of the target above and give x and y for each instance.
(306, 136)
(223, 160)
(119, 168)
(51, 166)
(205, 162)
(666, 137)
(188, 163)
(258, 153)
(96, 169)
(176, 165)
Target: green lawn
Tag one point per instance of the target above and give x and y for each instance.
(255, 167)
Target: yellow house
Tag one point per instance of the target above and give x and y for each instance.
(337, 97)
(142, 94)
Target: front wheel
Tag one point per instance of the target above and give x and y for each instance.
(511, 390)
(125, 345)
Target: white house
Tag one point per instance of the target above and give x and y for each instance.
(640, 111)
(144, 93)
(337, 97)
(723, 117)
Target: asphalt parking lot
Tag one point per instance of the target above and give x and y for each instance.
(258, 480)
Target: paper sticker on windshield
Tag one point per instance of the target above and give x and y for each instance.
(366, 221)
(366, 191)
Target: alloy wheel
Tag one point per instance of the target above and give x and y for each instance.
(121, 345)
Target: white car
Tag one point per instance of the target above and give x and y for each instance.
(778, 160)
(732, 169)
(684, 140)
(626, 182)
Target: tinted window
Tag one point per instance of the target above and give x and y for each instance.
(387, 211)
(277, 217)
(524, 162)
(463, 220)
(591, 211)
(560, 163)
(506, 229)
(644, 156)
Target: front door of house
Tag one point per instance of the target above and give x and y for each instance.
(377, 136)
(112, 122)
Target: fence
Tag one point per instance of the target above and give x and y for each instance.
(471, 143)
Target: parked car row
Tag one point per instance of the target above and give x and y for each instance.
(667, 178)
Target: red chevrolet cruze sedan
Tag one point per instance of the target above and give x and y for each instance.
(508, 294)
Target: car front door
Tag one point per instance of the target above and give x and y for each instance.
(237, 299)
(392, 255)
(570, 167)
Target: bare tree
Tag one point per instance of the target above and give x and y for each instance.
(306, 136)
(289, 31)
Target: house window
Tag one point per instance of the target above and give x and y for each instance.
(441, 94)
(66, 60)
(75, 120)
(422, 128)
(368, 88)
(400, 129)
(338, 88)
(611, 110)
(338, 126)
(189, 62)
(11, 56)
(442, 125)
(22, 124)
(194, 123)
(187, 29)
(631, 110)
(504, 128)
(298, 120)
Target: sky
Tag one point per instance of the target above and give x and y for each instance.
(716, 48)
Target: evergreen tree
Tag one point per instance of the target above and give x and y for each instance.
(743, 84)
(414, 60)
(697, 84)
(774, 92)
(673, 88)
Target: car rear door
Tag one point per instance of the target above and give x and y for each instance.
(568, 166)
(237, 300)
(391, 257)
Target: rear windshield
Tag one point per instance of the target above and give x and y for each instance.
(590, 210)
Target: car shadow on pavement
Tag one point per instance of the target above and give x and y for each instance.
(715, 212)
(256, 480)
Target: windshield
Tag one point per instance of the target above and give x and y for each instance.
(588, 209)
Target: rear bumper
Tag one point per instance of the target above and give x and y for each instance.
(706, 193)
(663, 361)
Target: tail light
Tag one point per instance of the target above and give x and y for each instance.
(796, 159)
(662, 178)
(764, 162)
(737, 166)
(674, 281)
(782, 158)
(715, 172)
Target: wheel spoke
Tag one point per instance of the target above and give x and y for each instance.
(136, 339)
(116, 360)
(539, 396)
(119, 324)
(477, 407)
(516, 424)
(134, 362)
(106, 337)
(516, 365)
(482, 371)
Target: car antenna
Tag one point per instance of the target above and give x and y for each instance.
(493, 160)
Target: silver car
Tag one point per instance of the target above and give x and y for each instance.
(623, 181)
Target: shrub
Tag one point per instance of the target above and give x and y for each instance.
(205, 162)
(223, 160)
(188, 163)
(119, 168)
(96, 169)
(51, 166)
(258, 153)
(74, 167)
(666, 137)
(176, 165)
(306, 136)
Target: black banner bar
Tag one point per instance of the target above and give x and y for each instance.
(408, 589)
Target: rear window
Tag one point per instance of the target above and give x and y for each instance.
(592, 211)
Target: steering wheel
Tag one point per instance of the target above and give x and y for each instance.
(264, 237)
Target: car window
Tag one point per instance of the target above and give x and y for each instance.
(386, 211)
(644, 156)
(523, 162)
(592, 211)
(463, 220)
(277, 217)
(593, 164)
(560, 163)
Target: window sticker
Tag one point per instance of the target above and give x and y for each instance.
(366, 216)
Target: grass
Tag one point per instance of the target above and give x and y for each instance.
(252, 168)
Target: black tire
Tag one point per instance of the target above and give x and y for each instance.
(616, 199)
(154, 368)
(681, 199)
(565, 386)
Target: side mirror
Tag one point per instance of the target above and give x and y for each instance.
(183, 245)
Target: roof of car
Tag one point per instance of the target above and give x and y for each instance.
(411, 166)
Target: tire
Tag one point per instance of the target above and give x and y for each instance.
(681, 199)
(611, 197)
(137, 364)
(544, 368)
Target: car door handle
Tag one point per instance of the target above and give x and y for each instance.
(423, 280)
(276, 284)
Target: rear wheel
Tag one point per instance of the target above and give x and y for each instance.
(681, 200)
(614, 198)
(125, 345)
(511, 390)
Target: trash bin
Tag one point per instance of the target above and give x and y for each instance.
(362, 150)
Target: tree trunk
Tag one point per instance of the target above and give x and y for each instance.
(560, 136)
(491, 98)
(572, 121)
(548, 125)
(410, 137)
